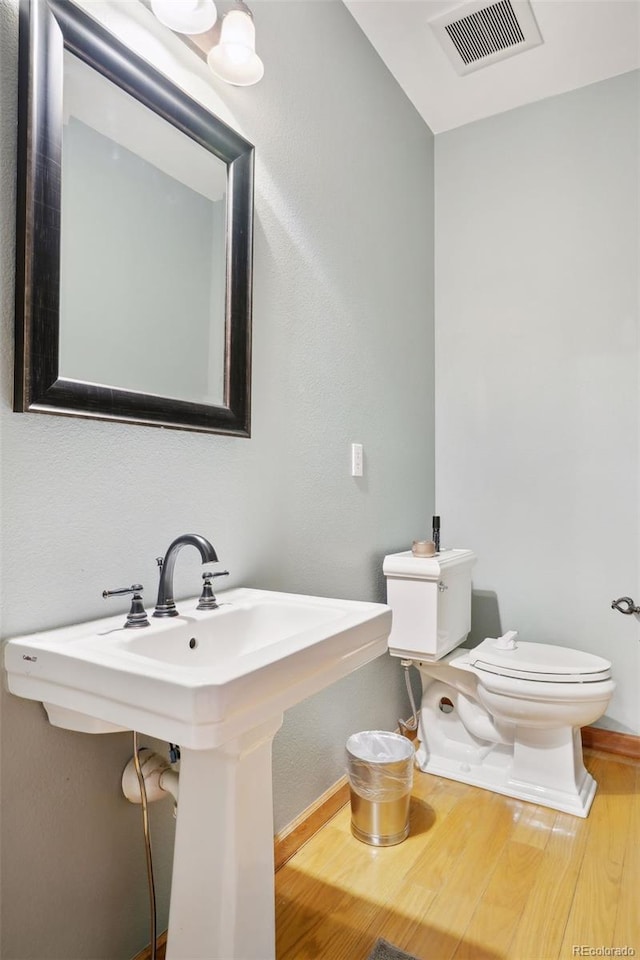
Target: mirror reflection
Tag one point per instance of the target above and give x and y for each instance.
(143, 227)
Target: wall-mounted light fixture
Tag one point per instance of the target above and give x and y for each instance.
(231, 50)
(234, 57)
(186, 16)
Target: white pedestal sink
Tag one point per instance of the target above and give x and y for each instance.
(216, 682)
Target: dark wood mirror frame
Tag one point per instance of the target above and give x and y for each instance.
(47, 28)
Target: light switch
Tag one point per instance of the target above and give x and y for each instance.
(357, 460)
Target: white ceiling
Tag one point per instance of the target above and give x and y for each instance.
(583, 41)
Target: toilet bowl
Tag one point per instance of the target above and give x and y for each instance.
(505, 715)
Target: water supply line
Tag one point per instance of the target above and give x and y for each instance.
(414, 722)
(147, 844)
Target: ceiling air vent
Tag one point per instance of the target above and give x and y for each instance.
(478, 34)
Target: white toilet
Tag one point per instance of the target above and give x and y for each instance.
(505, 715)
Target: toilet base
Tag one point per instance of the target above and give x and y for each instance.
(496, 773)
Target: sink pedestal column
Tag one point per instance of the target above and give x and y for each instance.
(222, 891)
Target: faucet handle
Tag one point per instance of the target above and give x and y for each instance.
(121, 591)
(207, 599)
(137, 616)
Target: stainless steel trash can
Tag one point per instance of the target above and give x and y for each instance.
(380, 775)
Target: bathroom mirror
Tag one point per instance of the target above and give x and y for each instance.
(134, 245)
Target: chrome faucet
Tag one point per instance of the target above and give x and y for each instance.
(165, 607)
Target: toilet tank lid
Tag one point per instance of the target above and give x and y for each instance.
(426, 568)
(542, 659)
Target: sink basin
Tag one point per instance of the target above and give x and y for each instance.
(202, 676)
(216, 682)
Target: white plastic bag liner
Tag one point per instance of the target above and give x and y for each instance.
(380, 765)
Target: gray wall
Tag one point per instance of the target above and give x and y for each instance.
(343, 352)
(537, 222)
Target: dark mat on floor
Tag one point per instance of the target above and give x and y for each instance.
(386, 951)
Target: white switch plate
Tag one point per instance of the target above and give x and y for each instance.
(357, 460)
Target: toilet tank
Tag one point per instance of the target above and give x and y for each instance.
(431, 602)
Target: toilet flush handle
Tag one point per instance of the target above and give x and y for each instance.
(623, 602)
(507, 641)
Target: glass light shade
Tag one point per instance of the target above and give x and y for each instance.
(234, 58)
(186, 16)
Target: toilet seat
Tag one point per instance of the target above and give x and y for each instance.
(539, 662)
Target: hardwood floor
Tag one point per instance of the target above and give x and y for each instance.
(480, 877)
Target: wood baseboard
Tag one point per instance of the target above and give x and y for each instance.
(161, 946)
(296, 833)
(610, 741)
